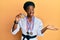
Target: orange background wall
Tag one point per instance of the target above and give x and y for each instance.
(47, 10)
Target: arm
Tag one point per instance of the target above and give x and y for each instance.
(17, 22)
(16, 26)
(43, 30)
(49, 27)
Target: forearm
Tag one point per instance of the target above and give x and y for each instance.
(44, 29)
(14, 27)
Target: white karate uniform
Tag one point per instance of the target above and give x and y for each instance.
(38, 26)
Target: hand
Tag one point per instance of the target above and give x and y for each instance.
(18, 17)
(51, 27)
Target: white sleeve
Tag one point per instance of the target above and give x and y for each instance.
(17, 29)
(40, 28)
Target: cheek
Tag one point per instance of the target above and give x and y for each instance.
(28, 11)
(32, 12)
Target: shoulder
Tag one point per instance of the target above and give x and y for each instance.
(38, 20)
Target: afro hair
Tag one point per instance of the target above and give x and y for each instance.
(28, 3)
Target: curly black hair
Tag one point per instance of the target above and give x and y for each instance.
(28, 3)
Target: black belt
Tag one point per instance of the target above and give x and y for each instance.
(28, 37)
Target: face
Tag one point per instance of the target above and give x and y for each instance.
(30, 11)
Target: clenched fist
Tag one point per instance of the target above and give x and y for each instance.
(17, 18)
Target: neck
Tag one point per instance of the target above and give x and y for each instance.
(29, 18)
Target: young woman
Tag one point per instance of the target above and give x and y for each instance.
(30, 25)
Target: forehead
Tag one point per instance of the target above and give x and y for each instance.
(30, 7)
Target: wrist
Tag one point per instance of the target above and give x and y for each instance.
(15, 22)
(46, 27)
